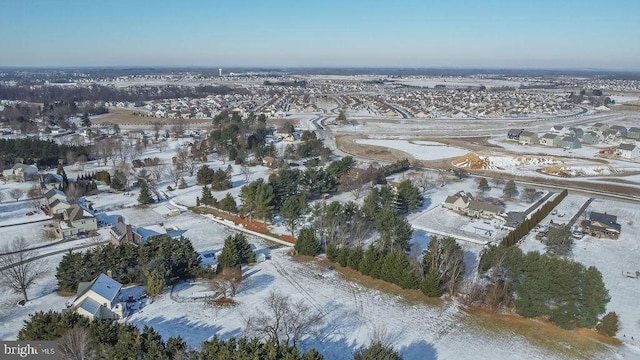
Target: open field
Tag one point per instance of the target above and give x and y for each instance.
(127, 118)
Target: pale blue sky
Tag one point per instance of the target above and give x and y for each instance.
(331, 33)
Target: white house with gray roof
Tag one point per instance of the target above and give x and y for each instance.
(99, 299)
(628, 151)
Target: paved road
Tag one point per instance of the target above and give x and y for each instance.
(580, 211)
(538, 203)
(42, 256)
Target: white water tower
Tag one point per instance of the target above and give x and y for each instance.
(219, 72)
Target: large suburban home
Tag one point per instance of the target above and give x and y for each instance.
(599, 127)
(576, 132)
(458, 202)
(50, 181)
(21, 172)
(482, 209)
(528, 137)
(550, 140)
(620, 131)
(514, 134)
(634, 133)
(558, 130)
(55, 202)
(602, 225)
(76, 221)
(628, 151)
(99, 299)
(590, 137)
(122, 233)
(570, 142)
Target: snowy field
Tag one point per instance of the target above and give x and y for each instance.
(421, 150)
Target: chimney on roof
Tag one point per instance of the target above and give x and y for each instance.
(109, 274)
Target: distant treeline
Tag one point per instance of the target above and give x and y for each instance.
(35, 151)
(295, 83)
(108, 93)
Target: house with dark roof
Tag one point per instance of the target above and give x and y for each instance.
(50, 181)
(99, 299)
(590, 137)
(602, 225)
(634, 133)
(576, 132)
(599, 127)
(628, 151)
(75, 221)
(55, 202)
(570, 142)
(514, 134)
(550, 140)
(458, 202)
(482, 209)
(620, 131)
(122, 233)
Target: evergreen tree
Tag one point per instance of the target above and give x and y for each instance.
(292, 210)
(609, 325)
(483, 184)
(244, 250)
(207, 197)
(559, 240)
(145, 196)
(228, 203)
(307, 243)
(377, 351)
(409, 197)
(370, 261)
(396, 269)
(510, 189)
(594, 298)
(229, 257)
(430, 285)
(154, 282)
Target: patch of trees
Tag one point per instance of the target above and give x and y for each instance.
(563, 291)
(234, 135)
(527, 225)
(394, 168)
(79, 338)
(236, 251)
(310, 147)
(171, 259)
(218, 179)
(43, 153)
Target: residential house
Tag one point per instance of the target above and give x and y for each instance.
(528, 137)
(634, 133)
(570, 142)
(550, 140)
(122, 233)
(514, 134)
(55, 202)
(99, 299)
(559, 130)
(458, 202)
(599, 127)
(576, 132)
(50, 181)
(482, 209)
(628, 151)
(75, 221)
(602, 225)
(620, 131)
(21, 172)
(590, 137)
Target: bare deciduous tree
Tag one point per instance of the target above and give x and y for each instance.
(284, 321)
(246, 173)
(228, 281)
(16, 193)
(17, 272)
(77, 344)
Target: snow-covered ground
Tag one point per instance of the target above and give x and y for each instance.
(421, 150)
